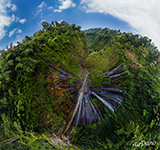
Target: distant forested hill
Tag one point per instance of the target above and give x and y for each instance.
(106, 81)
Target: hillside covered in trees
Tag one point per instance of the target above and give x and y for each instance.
(64, 88)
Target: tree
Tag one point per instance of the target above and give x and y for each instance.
(114, 80)
(45, 25)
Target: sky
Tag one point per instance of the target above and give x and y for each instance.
(19, 18)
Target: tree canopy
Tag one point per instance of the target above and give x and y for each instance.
(41, 80)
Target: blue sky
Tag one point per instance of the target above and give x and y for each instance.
(19, 18)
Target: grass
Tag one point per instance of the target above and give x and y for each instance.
(102, 61)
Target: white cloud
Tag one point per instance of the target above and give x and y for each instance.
(14, 7)
(2, 33)
(50, 7)
(16, 19)
(60, 21)
(57, 10)
(142, 15)
(39, 8)
(12, 32)
(42, 20)
(5, 18)
(15, 44)
(19, 31)
(22, 21)
(64, 5)
(41, 5)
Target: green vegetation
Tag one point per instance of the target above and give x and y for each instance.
(128, 124)
(40, 79)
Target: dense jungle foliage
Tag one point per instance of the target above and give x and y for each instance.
(34, 75)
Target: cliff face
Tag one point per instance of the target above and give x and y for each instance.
(101, 79)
